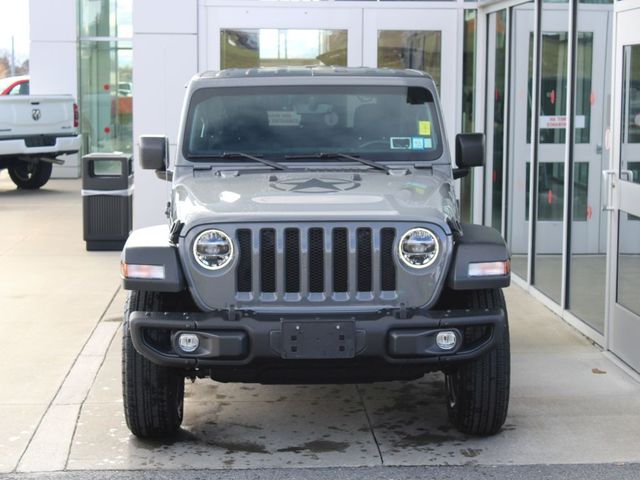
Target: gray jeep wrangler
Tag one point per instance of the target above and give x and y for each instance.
(313, 236)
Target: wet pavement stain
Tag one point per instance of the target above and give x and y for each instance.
(317, 446)
(471, 452)
(182, 436)
(425, 439)
(238, 447)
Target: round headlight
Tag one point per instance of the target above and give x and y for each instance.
(213, 249)
(418, 248)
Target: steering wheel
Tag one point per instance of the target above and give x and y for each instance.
(373, 142)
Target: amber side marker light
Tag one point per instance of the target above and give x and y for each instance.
(489, 269)
(147, 272)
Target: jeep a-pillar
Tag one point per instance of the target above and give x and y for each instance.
(313, 236)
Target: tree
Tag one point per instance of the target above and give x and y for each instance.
(5, 66)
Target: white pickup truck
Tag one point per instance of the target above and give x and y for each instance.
(34, 132)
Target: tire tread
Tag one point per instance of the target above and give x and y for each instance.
(483, 385)
(153, 395)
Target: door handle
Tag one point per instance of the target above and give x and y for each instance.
(607, 188)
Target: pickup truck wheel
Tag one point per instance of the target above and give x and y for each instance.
(478, 392)
(153, 395)
(30, 176)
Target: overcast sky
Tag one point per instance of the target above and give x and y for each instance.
(14, 21)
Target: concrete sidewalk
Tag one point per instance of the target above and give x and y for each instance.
(62, 408)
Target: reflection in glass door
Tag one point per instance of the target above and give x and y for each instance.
(625, 235)
(495, 119)
(260, 36)
(417, 38)
(519, 145)
(549, 194)
(267, 47)
(417, 49)
(587, 268)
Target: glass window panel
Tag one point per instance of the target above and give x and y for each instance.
(106, 18)
(628, 266)
(519, 142)
(551, 192)
(630, 151)
(585, 97)
(553, 89)
(468, 103)
(106, 96)
(587, 265)
(496, 96)
(551, 150)
(266, 47)
(411, 49)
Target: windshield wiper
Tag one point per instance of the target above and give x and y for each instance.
(321, 155)
(230, 155)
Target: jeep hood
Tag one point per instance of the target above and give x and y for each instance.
(420, 195)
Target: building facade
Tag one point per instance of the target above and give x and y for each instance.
(555, 85)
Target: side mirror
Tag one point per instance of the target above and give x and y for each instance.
(154, 152)
(469, 153)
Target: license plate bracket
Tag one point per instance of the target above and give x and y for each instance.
(318, 339)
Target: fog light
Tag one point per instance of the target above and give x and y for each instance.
(188, 342)
(446, 340)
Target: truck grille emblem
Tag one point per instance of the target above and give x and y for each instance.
(35, 114)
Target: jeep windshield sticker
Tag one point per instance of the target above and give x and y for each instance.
(315, 185)
(283, 118)
(417, 143)
(400, 143)
(410, 143)
(424, 128)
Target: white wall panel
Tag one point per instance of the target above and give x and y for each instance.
(53, 61)
(165, 16)
(163, 64)
(53, 21)
(53, 68)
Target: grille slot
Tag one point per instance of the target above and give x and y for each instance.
(340, 260)
(387, 267)
(289, 259)
(365, 258)
(268, 260)
(243, 273)
(316, 260)
(292, 260)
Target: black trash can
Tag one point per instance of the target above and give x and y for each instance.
(107, 200)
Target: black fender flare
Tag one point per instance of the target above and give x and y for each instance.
(478, 243)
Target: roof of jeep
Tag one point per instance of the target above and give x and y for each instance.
(312, 71)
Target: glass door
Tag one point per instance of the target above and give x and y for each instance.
(421, 39)
(623, 192)
(588, 150)
(273, 35)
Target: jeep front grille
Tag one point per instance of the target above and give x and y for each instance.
(316, 262)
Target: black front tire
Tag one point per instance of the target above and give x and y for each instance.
(153, 395)
(30, 176)
(478, 392)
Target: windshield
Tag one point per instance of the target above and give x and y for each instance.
(377, 122)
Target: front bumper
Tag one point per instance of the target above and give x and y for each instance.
(250, 340)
